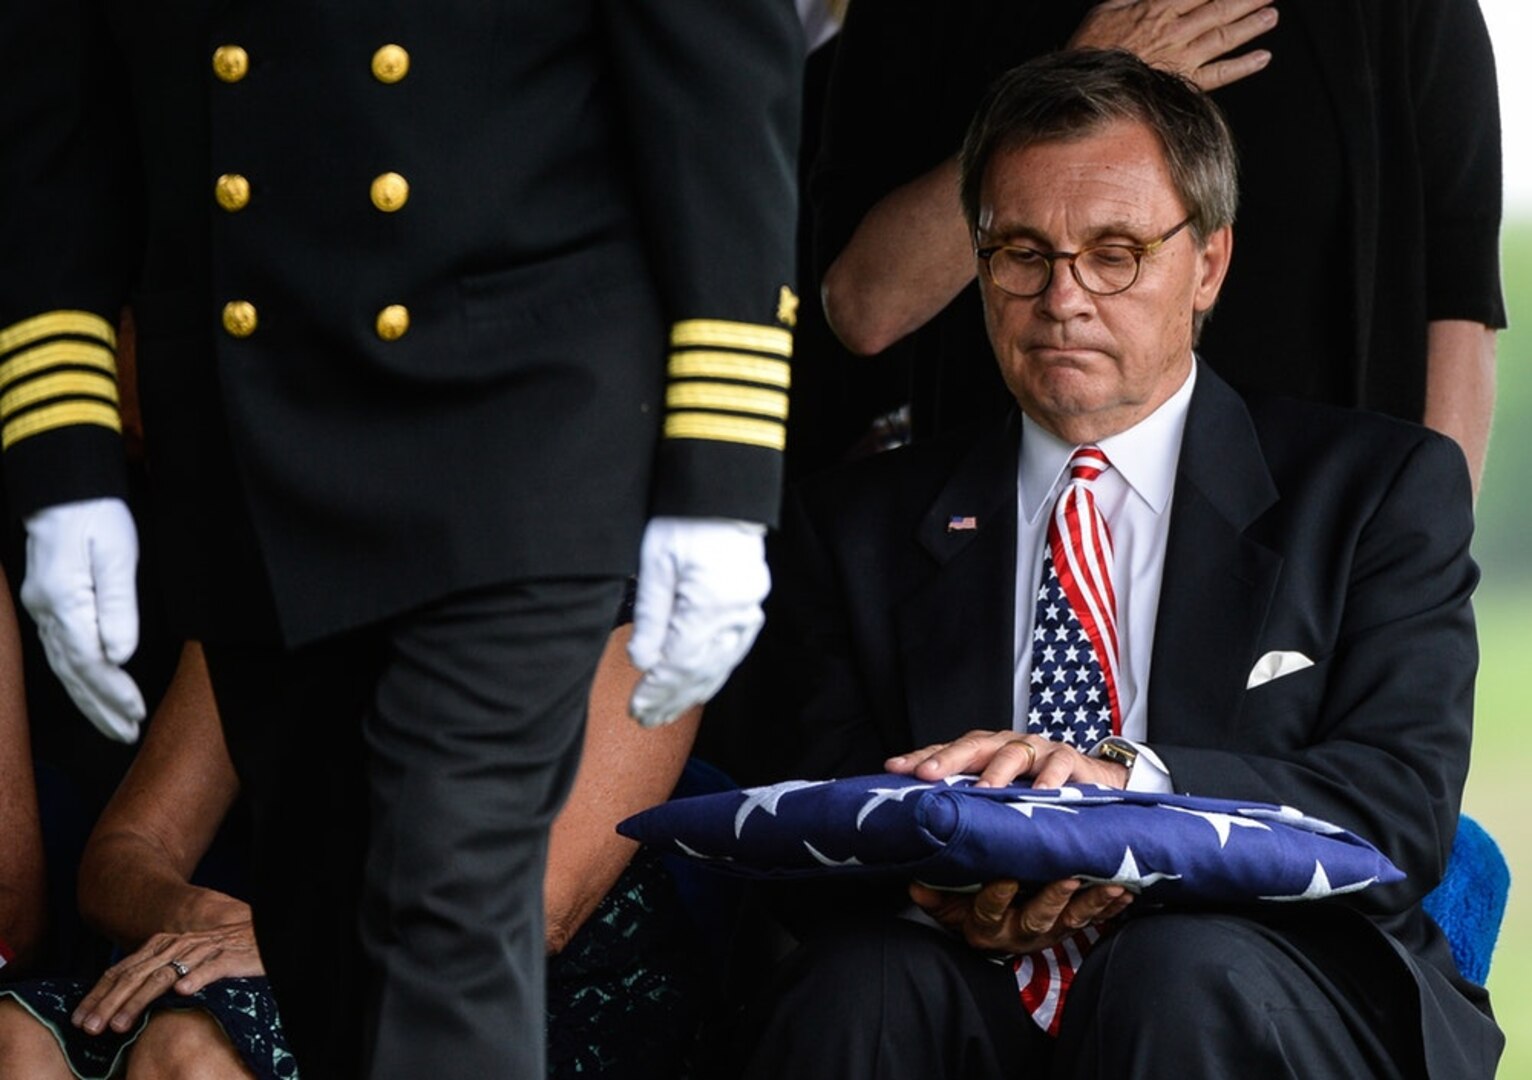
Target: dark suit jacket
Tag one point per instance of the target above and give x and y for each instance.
(595, 186)
(1293, 526)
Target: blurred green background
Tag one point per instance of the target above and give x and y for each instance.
(1500, 781)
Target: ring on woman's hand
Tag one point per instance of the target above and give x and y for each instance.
(179, 968)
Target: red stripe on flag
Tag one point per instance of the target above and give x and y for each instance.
(1043, 978)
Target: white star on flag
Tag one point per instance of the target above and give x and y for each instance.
(1129, 875)
(1320, 887)
(881, 795)
(825, 860)
(1030, 806)
(767, 798)
(1221, 822)
(1296, 818)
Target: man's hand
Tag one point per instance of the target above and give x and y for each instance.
(1002, 757)
(992, 920)
(700, 587)
(81, 591)
(1188, 37)
(125, 988)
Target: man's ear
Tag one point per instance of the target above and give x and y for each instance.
(1215, 256)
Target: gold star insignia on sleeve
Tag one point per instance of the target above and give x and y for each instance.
(787, 307)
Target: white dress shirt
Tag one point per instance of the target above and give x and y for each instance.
(1134, 496)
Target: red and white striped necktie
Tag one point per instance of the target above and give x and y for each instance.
(1073, 683)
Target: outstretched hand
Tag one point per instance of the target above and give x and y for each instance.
(993, 920)
(1004, 757)
(128, 986)
(1189, 37)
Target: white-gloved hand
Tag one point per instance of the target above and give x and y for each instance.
(700, 586)
(82, 593)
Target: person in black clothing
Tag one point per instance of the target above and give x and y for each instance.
(440, 310)
(1368, 134)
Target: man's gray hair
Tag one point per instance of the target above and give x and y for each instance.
(1068, 95)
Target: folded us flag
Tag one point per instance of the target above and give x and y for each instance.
(952, 834)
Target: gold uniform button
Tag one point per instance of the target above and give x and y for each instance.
(390, 64)
(390, 191)
(393, 322)
(232, 192)
(231, 63)
(239, 318)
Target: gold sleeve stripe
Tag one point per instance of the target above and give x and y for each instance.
(720, 334)
(57, 354)
(64, 414)
(63, 384)
(53, 323)
(692, 395)
(725, 365)
(735, 429)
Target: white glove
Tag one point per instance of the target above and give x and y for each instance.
(81, 591)
(700, 586)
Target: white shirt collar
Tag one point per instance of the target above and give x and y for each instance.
(1145, 455)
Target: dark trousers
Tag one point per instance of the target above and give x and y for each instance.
(1167, 997)
(402, 779)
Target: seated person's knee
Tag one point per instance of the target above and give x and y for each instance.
(184, 1045)
(28, 1051)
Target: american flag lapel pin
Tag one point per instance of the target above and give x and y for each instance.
(962, 523)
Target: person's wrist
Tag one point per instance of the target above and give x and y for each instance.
(1119, 753)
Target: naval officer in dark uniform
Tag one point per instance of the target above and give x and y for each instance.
(437, 306)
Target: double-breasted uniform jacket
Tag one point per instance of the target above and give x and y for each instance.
(427, 296)
(1339, 534)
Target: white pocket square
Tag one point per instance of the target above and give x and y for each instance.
(1274, 665)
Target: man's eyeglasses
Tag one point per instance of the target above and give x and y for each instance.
(1101, 269)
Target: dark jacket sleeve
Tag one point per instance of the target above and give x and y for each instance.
(1386, 754)
(711, 93)
(65, 227)
(1457, 125)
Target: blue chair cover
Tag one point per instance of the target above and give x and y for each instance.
(1470, 901)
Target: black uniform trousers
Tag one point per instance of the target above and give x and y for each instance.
(1196, 996)
(402, 779)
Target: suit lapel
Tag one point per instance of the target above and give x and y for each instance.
(1218, 582)
(956, 628)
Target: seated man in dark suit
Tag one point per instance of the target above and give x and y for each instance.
(1142, 581)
